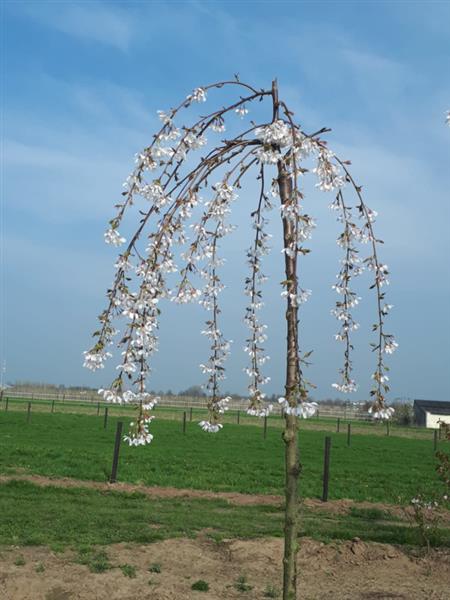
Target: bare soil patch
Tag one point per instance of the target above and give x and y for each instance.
(344, 570)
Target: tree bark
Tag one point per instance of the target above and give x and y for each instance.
(290, 434)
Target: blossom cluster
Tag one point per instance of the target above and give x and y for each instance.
(257, 330)
(302, 410)
(351, 266)
(212, 227)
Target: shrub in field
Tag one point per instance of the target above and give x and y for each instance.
(19, 561)
(424, 508)
(200, 586)
(128, 570)
(155, 568)
(404, 414)
(443, 466)
(178, 194)
(96, 560)
(242, 585)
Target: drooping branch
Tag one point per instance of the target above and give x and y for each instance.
(258, 336)
(350, 267)
(386, 343)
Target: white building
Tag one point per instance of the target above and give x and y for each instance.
(430, 412)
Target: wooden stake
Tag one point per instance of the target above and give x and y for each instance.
(105, 418)
(349, 433)
(115, 462)
(326, 468)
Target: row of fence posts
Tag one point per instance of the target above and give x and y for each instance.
(326, 454)
(437, 432)
(327, 447)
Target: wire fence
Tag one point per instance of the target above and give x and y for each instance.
(349, 412)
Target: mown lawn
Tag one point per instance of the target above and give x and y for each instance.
(59, 517)
(373, 468)
(326, 424)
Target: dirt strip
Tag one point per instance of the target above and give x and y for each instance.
(341, 506)
(229, 570)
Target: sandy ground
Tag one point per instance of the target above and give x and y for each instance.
(345, 570)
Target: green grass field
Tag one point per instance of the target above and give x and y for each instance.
(326, 424)
(373, 468)
(58, 517)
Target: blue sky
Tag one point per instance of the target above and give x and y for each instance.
(83, 82)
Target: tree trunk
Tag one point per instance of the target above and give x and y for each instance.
(290, 434)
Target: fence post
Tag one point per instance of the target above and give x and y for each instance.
(184, 423)
(265, 427)
(190, 414)
(338, 425)
(326, 468)
(238, 416)
(98, 408)
(349, 433)
(387, 427)
(435, 443)
(6, 403)
(105, 418)
(29, 412)
(53, 406)
(115, 463)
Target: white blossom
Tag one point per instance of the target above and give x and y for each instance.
(165, 117)
(348, 387)
(302, 409)
(241, 111)
(95, 360)
(210, 427)
(390, 346)
(260, 412)
(198, 95)
(278, 133)
(328, 173)
(113, 237)
(381, 413)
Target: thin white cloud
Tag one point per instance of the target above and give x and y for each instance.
(94, 21)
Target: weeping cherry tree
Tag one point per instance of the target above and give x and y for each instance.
(185, 201)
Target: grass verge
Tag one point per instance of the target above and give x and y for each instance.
(81, 519)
